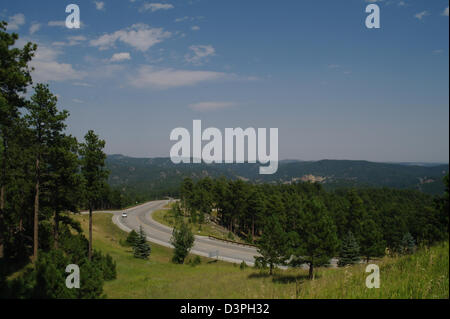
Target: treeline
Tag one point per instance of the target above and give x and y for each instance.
(303, 223)
(44, 174)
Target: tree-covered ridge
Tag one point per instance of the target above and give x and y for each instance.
(148, 178)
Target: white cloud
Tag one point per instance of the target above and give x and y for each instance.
(72, 41)
(139, 36)
(439, 51)
(445, 13)
(34, 27)
(57, 24)
(156, 6)
(334, 66)
(75, 40)
(195, 28)
(182, 19)
(149, 77)
(199, 54)
(78, 101)
(47, 68)
(16, 21)
(117, 57)
(211, 105)
(422, 14)
(83, 84)
(100, 5)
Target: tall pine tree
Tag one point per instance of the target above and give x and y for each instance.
(46, 124)
(94, 173)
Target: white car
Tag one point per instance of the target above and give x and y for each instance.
(124, 215)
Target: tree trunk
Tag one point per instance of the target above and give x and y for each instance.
(2, 206)
(311, 271)
(56, 230)
(2, 196)
(253, 228)
(271, 269)
(90, 232)
(36, 214)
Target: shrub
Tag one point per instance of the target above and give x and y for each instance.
(182, 240)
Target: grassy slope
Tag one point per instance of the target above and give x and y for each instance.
(424, 275)
(165, 217)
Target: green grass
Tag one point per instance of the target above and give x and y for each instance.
(423, 275)
(165, 217)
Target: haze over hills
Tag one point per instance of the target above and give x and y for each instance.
(159, 176)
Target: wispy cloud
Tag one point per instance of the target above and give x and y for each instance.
(150, 77)
(118, 57)
(156, 6)
(199, 54)
(57, 24)
(99, 5)
(72, 41)
(34, 27)
(139, 36)
(421, 15)
(16, 21)
(195, 28)
(48, 68)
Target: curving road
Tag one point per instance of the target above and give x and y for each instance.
(161, 234)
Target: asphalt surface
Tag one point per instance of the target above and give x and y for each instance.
(161, 234)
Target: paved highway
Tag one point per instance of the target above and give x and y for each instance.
(161, 234)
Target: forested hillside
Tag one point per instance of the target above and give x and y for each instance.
(149, 178)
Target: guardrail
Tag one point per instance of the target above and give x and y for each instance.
(232, 241)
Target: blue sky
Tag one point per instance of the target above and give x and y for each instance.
(135, 70)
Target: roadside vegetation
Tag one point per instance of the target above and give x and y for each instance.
(304, 224)
(168, 217)
(421, 275)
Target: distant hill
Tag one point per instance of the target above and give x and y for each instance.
(159, 176)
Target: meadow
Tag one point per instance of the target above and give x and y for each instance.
(422, 275)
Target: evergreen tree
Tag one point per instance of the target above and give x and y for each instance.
(141, 247)
(255, 210)
(272, 244)
(94, 173)
(64, 189)
(46, 124)
(316, 242)
(372, 243)
(132, 238)
(408, 244)
(349, 253)
(14, 79)
(182, 240)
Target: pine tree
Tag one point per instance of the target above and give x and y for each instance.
(141, 247)
(408, 244)
(316, 240)
(132, 238)
(372, 243)
(14, 79)
(46, 124)
(349, 253)
(182, 240)
(272, 244)
(92, 168)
